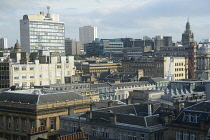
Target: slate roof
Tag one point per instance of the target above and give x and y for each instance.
(48, 96)
(129, 114)
(130, 119)
(125, 118)
(130, 84)
(136, 109)
(93, 86)
(153, 80)
(200, 110)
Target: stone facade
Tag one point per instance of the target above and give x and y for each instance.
(41, 111)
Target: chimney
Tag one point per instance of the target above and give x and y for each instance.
(42, 13)
(140, 73)
(149, 109)
(89, 115)
(113, 119)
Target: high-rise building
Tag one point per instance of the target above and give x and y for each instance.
(167, 41)
(39, 32)
(87, 34)
(73, 47)
(187, 36)
(3, 43)
(158, 42)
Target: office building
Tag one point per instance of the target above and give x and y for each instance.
(103, 47)
(112, 46)
(39, 32)
(73, 47)
(41, 70)
(87, 34)
(167, 41)
(3, 43)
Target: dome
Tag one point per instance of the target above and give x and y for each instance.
(17, 47)
(204, 50)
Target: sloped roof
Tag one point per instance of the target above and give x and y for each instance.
(200, 111)
(128, 114)
(45, 97)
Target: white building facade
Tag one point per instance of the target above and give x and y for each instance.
(42, 32)
(38, 73)
(87, 34)
(3, 43)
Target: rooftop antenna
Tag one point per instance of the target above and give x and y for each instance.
(48, 9)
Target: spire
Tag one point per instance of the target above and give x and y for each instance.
(188, 25)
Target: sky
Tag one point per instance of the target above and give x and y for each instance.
(113, 18)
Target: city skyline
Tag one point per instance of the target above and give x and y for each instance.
(114, 19)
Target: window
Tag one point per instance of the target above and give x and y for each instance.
(8, 123)
(192, 136)
(24, 84)
(31, 76)
(16, 123)
(178, 135)
(24, 76)
(142, 137)
(31, 68)
(24, 124)
(93, 131)
(129, 137)
(42, 122)
(15, 137)
(119, 136)
(58, 66)
(74, 128)
(31, 83)
(16, 68)
(134, 138)
(52, 124)
(23, 67)
(185, 136)
(1, 121)
(16, 76)
(124, 136)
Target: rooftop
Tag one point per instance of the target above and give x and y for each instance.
(39, 96)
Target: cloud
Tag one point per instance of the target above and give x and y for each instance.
(114, 18)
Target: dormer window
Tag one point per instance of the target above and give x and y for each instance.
(192, 118)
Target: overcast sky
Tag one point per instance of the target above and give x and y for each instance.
(113, 18)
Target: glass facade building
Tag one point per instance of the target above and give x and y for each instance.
(39, 32)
